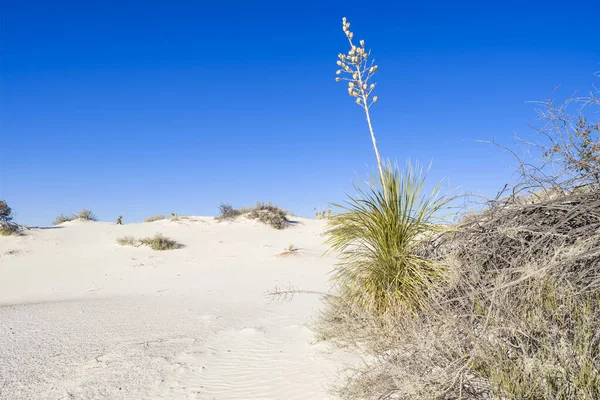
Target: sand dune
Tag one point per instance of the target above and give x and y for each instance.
(84, 318)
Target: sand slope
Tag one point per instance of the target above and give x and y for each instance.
(84, 318)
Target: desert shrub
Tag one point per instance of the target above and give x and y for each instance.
(323, 214)
(269, 214)
(7, 227)
(127, 241)
(517, 317)
(154, 218)
(61, 219)
(227, 212)
(5, 212)
(85, 215)
(380, 241)
(160, 242)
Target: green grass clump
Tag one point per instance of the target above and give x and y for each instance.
(127, 241)
(379, 241)
(160, 242)
(154, 218)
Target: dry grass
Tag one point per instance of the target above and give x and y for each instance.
(86, 215)
(83, 215)
(227, 213)
(154, 218)
(290, 251)
(9, 230)
(61, 219)
(128, 241)
(160, 242)
(269, 214)
(266, 213)
(517, 317)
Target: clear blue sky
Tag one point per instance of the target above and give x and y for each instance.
(139, 108)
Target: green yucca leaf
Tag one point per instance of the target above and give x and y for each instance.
(378, 241)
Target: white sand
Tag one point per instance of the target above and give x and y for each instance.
(84, 318)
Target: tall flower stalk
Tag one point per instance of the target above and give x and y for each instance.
(357, 69)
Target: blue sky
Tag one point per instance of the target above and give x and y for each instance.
(139, 108)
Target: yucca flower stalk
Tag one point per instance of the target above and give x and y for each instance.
(357, 70)
(378, 235)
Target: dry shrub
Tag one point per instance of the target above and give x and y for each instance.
(227, 212)
(61, 219)
(86, 215)
(266, 213)
(127, 241)
(9, 229)
(269, 214)
(160, 242)
(154, 218)
(518, 316)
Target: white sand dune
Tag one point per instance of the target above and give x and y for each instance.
(84, 318)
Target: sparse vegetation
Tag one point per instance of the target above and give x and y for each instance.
(323, 214)
(154, 218)
(290, 250)
(156, 242)
(7, 226)
(227, 212)
(266, 213)
(5, 212)
(127, 241)
(9, 229)
(86, 215)
(61, 219)
(269, 214)
(160, 242)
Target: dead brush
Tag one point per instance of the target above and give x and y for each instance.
(518, 316)
(269, 214)
(160, 242)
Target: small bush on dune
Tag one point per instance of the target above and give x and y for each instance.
(7, 226)
(227, 212)
(86, 215)
(160, 242)
(127, 241)
(266, 213)
(62, 219)
(269, 214)
(9, 229)
(154, 218)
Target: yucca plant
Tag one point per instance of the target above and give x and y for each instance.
(378, 233)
